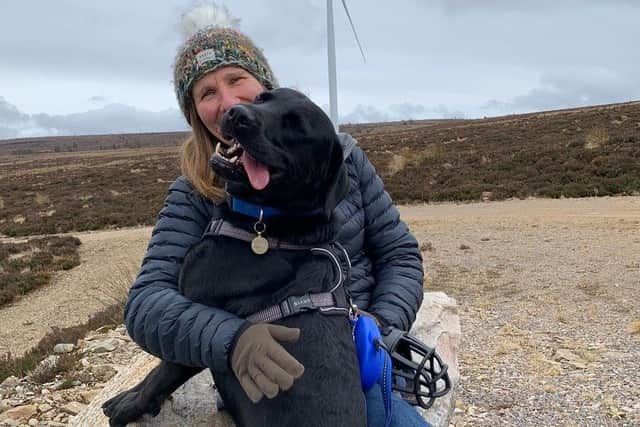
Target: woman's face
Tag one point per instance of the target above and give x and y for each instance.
(219, 90)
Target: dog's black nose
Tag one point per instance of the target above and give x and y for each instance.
(240, 115)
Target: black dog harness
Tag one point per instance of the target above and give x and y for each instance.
(334, 301)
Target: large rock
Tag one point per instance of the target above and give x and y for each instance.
(438, 325)
(193, 404)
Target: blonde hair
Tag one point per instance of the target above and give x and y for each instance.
(194, 160)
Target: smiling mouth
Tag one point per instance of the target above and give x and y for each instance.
(235, 157)
(231, 154)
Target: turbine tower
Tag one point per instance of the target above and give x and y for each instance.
(331, 56)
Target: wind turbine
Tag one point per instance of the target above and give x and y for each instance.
(331, 55)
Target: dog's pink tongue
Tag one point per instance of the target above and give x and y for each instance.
(257, 172)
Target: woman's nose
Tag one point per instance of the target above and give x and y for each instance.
(228, 99)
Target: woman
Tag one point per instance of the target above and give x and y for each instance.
(215, 69)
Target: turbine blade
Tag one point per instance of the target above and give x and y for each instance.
(353, 28)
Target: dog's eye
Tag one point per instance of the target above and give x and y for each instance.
(262, 97)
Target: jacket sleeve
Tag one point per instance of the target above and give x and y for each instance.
(393, 250)
(158, 318)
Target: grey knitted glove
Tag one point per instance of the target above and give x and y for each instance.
(263, 367)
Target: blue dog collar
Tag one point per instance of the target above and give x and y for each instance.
(253, 210)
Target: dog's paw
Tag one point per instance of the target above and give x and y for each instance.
(128, 406)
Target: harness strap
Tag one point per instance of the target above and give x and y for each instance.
(294, 305)
(327, 302)
(221, 227)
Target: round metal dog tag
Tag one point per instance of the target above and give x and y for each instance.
(259, 245)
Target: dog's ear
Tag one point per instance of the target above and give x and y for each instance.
(339, 185)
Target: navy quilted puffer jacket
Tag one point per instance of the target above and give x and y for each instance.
(386, 275)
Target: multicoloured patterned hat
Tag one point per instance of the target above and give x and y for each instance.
(211, 48)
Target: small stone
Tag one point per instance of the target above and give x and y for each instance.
(102, 346)
(103, 373)
(4, 405)
(94, 337)
(48, 362)
(9, 422)
(21, 412)
(634, 327)
(33, 422)
(88, 395)
(44, 407)
(10, 382)
(73, 408)
(63, 348)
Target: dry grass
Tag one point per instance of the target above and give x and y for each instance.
(65, 194)
(426, 247)
(591, 289)
(28, 265)
(541, 154)
(48, 369)
(397, 163)
(596, 138)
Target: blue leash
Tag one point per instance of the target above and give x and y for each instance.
(374, 361)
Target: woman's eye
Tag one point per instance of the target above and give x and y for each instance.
(207, 93)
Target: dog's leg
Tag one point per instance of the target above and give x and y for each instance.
(148, 396)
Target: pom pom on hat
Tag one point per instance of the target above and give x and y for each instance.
(213, 43)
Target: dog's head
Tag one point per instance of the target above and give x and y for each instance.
(285, 153)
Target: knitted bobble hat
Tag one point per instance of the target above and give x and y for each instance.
(210, 48)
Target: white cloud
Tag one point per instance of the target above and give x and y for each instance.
(425, 58)
(571, 90)
(112, 118)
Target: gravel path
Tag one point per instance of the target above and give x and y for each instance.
(547, 289)
(109, 262)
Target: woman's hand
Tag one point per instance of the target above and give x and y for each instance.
(263, 367)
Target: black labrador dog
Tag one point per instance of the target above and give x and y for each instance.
(285, 158)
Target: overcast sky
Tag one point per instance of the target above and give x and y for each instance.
(80, 67)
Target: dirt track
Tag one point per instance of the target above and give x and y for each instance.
(549, 293)
(109, 261)
(547, 290)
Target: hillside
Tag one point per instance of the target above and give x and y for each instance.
(50, 185)
(590, 151)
